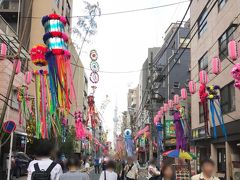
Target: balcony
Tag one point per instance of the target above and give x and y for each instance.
(10, 38)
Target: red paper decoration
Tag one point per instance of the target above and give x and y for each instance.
(18, 66)
(38, 55)
(28, 77)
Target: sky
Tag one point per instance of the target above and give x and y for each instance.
(122, 43)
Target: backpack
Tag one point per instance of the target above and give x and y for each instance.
(42, 174)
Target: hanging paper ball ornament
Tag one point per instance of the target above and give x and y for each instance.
(3, 51)
(192, 87)
(38, 55)
(18, 66)
(170, 104)
(176, 99)
(183, 93)
(232, 50)
(216, 65)
(203, 77)
(28, 77)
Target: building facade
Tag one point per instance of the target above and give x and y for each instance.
(211, 41)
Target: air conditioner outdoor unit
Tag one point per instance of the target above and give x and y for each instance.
(236, 170)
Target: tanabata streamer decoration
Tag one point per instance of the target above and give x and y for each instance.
(58, 60)
(80, 134)
(128, 142)
(236, 75)
(214, 99)
(64, 128)
(159, 127)
(38, 55)
(180, 128)
(91, 111)
(204, 103)
(25, 110)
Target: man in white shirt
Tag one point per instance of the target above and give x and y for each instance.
(43, 161)
(207, 167)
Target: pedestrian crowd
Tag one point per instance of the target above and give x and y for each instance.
(44, 167)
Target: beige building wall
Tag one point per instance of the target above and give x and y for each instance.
(217, 23)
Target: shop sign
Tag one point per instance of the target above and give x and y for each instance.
(199, 133)
(169, 129)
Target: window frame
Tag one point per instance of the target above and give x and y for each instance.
(221, 5)
(203, 59)
(14, 100)
(201, 114)
(176, 87)
(202, 23)
(221, 169)
(230, 103)
(224, 39)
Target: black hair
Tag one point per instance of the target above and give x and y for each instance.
(73, 161)
(111, 164)
(43, 148)
(207, 161)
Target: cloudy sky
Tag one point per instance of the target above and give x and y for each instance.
(122, 42)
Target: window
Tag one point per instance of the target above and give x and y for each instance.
(14, 100)
(57, 3)
(221, 159)
(176, 85)
(183, 42)
(201, 114)
(221, 4)
(203, 62)
(202, 23)
(228, 98)
(224, 39)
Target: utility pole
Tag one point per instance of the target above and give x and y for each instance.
(151, 124)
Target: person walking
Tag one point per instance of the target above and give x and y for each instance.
(168, 172)
(109, 173)
(43, 168)
(97, 165)
(73, 173)
(207, 167)
(153, 172)
(131, 170)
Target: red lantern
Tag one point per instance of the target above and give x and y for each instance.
(28, 77)
(38, 55)
(18, 66)
(3, 51)
(203, 77)
(232, 50)
(165, 107)
(183, 93)
(192, 87)
(170, 104)
(176, 99)
(216, 65)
